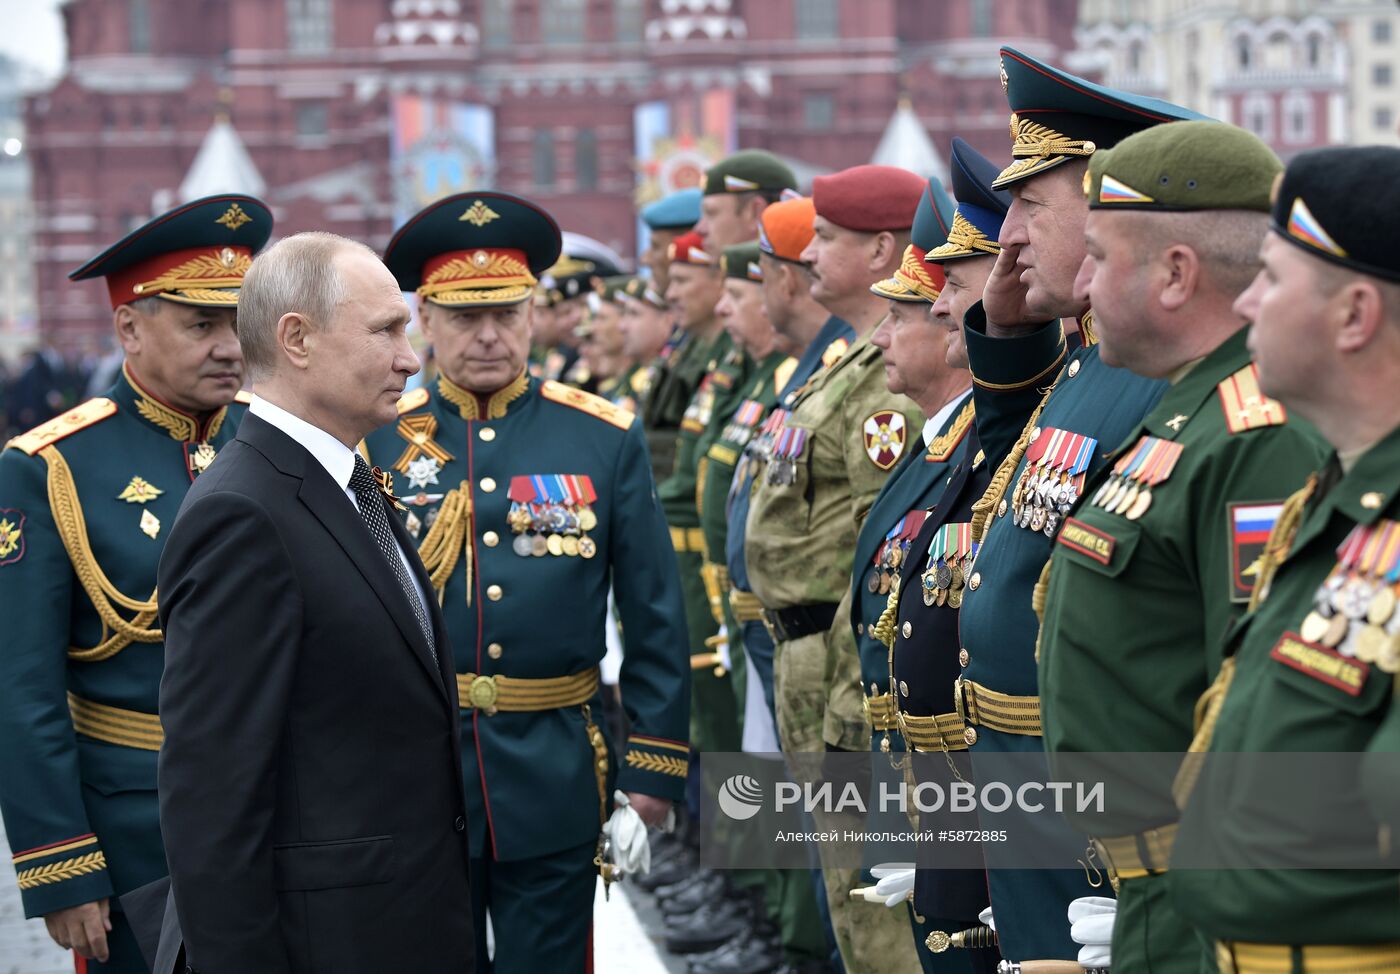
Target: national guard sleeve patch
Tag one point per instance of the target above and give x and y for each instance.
(588, 403)
(1321, 663)
(413, 399)
(79, 417)
(884, 434)
(1245, 405)
(1250, 527)
(1090, 542)
(11, 535)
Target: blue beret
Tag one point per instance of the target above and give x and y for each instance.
(679, 211)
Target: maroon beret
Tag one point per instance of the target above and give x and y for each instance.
(869, 198)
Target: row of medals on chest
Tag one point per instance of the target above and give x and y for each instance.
(1354, 613)
(942, 582)
(552, 529)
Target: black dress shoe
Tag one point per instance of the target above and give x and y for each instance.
(750, 953)
(694, 895)
(680, 886)
(708, 927)
(671, 871)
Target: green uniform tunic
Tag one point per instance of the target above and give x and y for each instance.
(86, 501)
(1140, 597)
(1295, 689)
(1099, 406)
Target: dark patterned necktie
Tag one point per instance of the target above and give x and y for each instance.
(370, 500)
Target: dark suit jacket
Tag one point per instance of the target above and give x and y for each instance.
(311, 794)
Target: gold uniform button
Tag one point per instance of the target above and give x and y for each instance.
(494, 593)
(487, 484)
(1074, 368)
(975, 582)
(1372, 500)
(908, 630)
(970, 736)
(860, 629)
(494, 650)
(491, 538)
(874, 689)
(963, 657)
(1001, 508)
(487, 433)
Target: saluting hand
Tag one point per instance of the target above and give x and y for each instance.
(83, 928)
(1004, 297)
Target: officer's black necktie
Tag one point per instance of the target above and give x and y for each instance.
(370, 500)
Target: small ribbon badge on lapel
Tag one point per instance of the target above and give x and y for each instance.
(386, 484)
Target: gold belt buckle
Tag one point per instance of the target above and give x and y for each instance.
(483, 694)
(960, 700)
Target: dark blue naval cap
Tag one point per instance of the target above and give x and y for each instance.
(480, 249)
(1056, 116)
(678, 211)
(981, 209)
(915, 280)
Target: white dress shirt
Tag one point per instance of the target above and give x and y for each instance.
(335, 456)
(936, 421)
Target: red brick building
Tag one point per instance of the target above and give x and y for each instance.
(354, 111)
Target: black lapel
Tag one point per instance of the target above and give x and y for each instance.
(325, 499)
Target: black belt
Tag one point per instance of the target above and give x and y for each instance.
(786, 625)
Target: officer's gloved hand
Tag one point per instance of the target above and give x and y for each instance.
(895, 881)
(1091, 926)
(630, 850)
(987, 920)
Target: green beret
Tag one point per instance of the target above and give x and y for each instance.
(613, 288)
(1181, 167)
(741, 262)
(640, 289)
(749, 171)
(1339, 204)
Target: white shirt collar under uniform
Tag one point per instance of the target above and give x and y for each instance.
(936, 422)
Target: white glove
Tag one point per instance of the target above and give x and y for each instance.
(631, 852)
(724, 657)
(985, 918)
(1091, 926)
(896, 880)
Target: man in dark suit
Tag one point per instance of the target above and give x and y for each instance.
(310, 782)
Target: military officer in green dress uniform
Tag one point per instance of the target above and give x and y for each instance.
(1158, 559)
(85, 502)
(528, 499)
(844, 433)
(1030, 436)
(695, 289)
(649, 339)
(1311, 668)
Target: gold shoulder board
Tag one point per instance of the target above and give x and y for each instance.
(588, 403)
(243, 396)
(834, 351)
(79, 417)
(413, 399)
(1245, 405)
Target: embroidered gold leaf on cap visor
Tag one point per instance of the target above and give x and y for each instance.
(499, 279)
(205, 279)
(1036, 147)
(964, 240)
